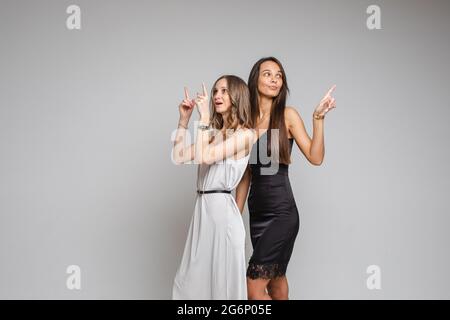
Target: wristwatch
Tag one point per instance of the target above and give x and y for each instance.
(203, 126)
(317, 116)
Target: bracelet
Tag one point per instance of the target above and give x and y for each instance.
(203, 126)
(180, 125)
(317, 116)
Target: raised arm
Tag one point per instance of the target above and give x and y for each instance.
(313, 149)
(180, 152)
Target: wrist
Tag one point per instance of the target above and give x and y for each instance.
(204, 119)
(182, 126)
(183, 122)
(317, 116)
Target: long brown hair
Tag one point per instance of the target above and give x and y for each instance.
(276, 112)
(240, 113)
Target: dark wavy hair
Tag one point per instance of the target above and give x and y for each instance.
(277, 110)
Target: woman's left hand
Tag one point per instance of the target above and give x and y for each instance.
(327, 103)
(202, 103)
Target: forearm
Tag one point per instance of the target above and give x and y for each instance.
(242, 190)
(181, 148)
(317, 150)
(202, 142)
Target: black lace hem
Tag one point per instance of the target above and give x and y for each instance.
(266, 271)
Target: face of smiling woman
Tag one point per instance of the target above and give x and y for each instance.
(270, 79)
(221, 98)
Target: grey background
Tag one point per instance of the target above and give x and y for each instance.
(86, 118)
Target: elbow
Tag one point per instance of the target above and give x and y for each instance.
(206, 159)
(177, 160)
(177, 157)
(316, 162)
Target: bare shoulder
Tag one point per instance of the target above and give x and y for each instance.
(291, 115)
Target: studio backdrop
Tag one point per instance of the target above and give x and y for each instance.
(92, 206)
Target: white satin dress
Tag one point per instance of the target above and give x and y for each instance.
(213, 265)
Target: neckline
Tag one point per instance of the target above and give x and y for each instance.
(268, 130)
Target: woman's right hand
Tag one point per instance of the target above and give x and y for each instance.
(186, 107)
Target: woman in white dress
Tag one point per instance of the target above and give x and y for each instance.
(213, 264)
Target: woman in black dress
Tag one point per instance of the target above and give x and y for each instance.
(274, 219)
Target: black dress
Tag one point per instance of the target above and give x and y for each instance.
(274, 219)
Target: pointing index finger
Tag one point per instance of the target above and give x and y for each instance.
(186, 93)
(331, 90)
(205, 92)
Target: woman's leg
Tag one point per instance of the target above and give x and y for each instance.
(256, 289)
(278, 288)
